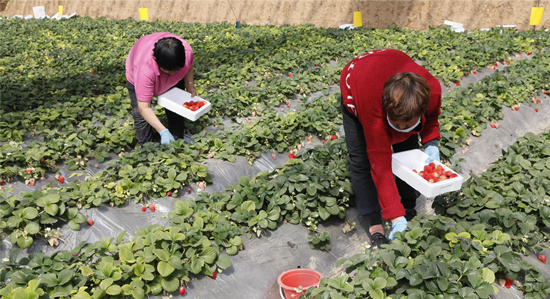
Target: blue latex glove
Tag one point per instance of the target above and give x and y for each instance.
(398, 226)
(166, 137)
(433, 153)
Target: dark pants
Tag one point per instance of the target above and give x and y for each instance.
(366, 196)
(144, 131)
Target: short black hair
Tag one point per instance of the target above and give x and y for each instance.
(169, 54)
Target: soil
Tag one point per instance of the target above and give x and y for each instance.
(413, 14)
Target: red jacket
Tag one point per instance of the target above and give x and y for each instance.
(361, 83)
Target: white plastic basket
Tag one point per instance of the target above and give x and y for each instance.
(174, 99)
(403, 164)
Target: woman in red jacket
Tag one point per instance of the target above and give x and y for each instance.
(388, 102)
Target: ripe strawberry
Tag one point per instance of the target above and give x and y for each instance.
(508, 282)
(536, 109)
(496, 63)
(75, 255)
(214, 275)
(291, 155)
(544, 91)
(152, 207)
(182, 290)
(92, 71)
(333, 137)
(61, 179)
(290, 74)
(288, 105)
(1, 181)
(168, 193)
(42, 160)
(474, 71)
(90, 222)
(188, 191)
(309, 139)
(542, 258)
(493, 125)
(144, 208)
(31, 182)
(515, 107)
(29, 170)
(457, 83)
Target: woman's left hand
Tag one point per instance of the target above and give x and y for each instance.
(190, 87)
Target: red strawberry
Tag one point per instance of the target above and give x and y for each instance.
(536, 109)
(457, 83)
(61, 179)
(542, 258)
(309, 139)
(168, 193)
(333, 137)
(29, 170)
(544, 91)
(182, 290)
(1, 181)
(152, 207)
(90, 222)
(92, 71)
(496, 63)
(508, 282)
(474, 71)
(188, 191)
(290, 74)
(288, 105)
(31, 182)
(75, 255)
(42, 160)
(493, 125)
(1, 187)
(214, 275)
(515, 107)
(144, 208)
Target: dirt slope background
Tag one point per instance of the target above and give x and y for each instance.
(413, 14)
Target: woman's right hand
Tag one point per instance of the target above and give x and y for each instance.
(399, 224)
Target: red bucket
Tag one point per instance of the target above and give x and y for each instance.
(292, 281)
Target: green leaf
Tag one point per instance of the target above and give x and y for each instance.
(165, 268)
(65, 276)
(114, 290)
(223, 262)
(32, 228)
(170, 284)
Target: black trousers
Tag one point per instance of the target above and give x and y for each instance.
(144, 131)
(366, 196)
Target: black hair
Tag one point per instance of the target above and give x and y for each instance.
(169, 54)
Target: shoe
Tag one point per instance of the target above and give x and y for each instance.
(378, 239)
(410, 214)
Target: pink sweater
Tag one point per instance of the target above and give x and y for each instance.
(143, 72)
(361, 83)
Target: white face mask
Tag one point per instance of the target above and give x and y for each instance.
(403, 130)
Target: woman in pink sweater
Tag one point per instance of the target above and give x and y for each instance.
(156, 63)
(388, 102)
